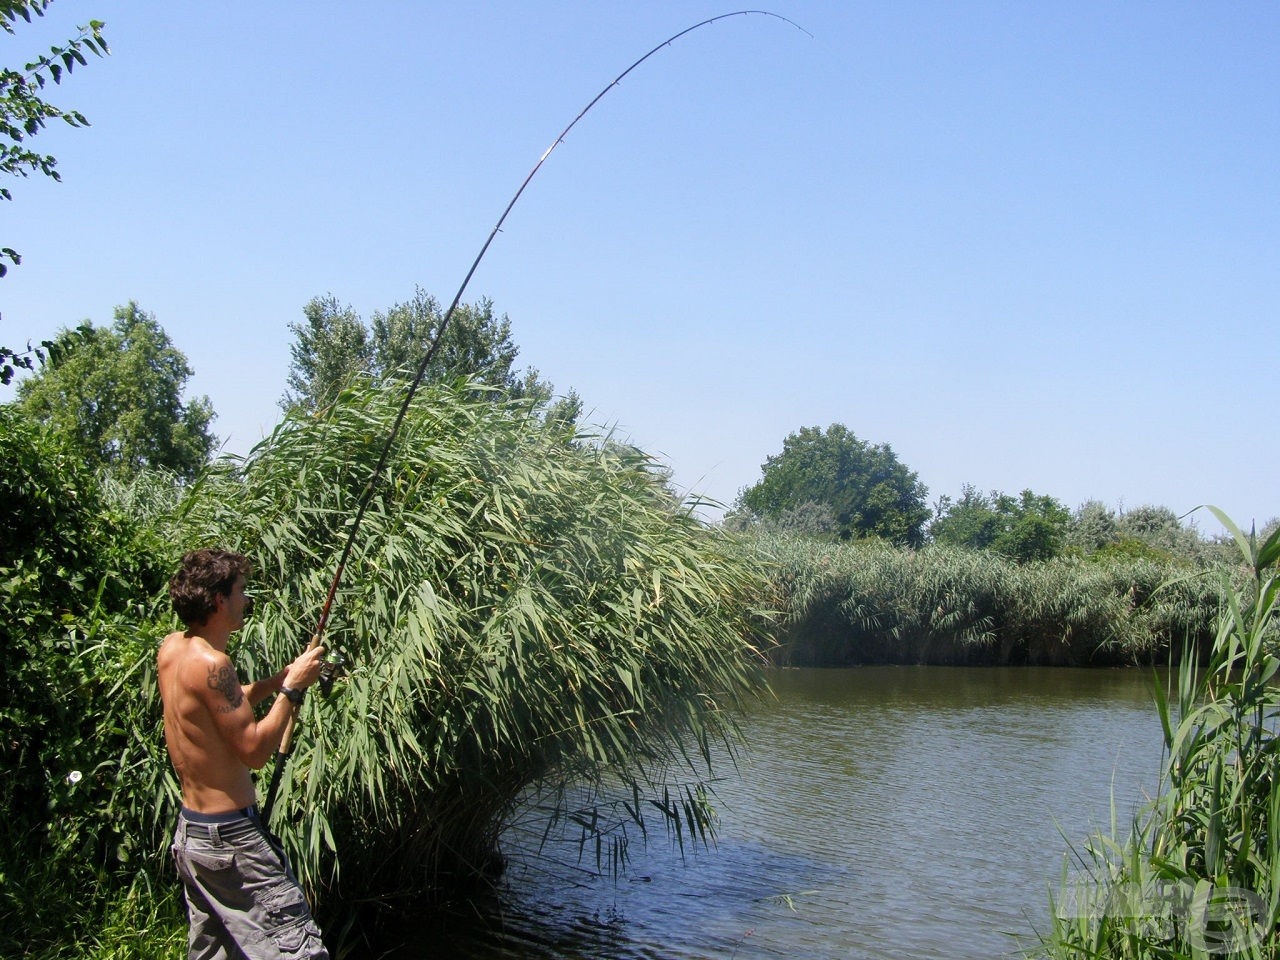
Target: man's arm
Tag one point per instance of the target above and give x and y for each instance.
(252, 741)
(259, 690)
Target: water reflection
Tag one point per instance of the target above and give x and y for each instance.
(880, 812)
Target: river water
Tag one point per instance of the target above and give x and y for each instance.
(878, 812)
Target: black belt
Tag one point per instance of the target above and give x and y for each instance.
(230, 826)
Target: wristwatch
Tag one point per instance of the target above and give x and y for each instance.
(295, 696)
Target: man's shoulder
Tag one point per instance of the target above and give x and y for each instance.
(188, 657)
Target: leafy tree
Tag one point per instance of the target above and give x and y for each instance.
(1026, 527)
(1092, 527)
(971, 521)
(1159, 527)
(333, 347)
(1037, 529)
(868, 491)
(1150, 532)
(23, 111)
(476, 343)
(118, 395)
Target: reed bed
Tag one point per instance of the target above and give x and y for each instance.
(522, 607)
(870, 602)
(1198, 872)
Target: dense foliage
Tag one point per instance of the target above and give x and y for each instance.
(524, 609)
(863, 488)
(117, 394)
(76, 580)
(333, 348)
(520, 605)
(1196, 874)
(1026, 527)
(870, 602)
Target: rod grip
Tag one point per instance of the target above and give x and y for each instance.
(286, 741)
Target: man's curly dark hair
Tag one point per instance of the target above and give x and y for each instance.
(205, 574)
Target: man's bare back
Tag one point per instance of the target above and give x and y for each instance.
(209, 725)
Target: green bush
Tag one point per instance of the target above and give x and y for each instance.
(76, 620)
(1131, 548)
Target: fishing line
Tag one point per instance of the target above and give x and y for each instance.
(367, 495)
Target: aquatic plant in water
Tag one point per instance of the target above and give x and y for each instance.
(871, 602)
(1198, 874)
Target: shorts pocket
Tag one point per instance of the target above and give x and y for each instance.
(291, 928)
(208, 860)
(285, 904)
(295, 940)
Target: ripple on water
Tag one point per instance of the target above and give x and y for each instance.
(879, 812)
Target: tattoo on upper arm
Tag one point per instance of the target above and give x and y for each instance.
(224, 680)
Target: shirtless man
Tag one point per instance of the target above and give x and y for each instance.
(242, 898)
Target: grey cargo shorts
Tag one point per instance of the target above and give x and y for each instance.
(243, 900)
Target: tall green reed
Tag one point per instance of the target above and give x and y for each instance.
(870, 602)
(522, 607)
(1198, 872)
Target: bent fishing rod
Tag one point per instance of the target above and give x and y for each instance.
(317, 636)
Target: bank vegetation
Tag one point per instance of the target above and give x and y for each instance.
(1196, 872)
(865, 602)
(525, 607)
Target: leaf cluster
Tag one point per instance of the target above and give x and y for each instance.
(50, 353)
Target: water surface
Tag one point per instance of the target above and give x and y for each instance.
(905, 812)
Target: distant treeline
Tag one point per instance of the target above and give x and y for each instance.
(860, 573)
(862, 602)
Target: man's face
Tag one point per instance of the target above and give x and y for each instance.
(236, 604)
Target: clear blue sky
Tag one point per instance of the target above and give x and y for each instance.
(1028, 245)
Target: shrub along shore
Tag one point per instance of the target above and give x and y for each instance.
(867, 602)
